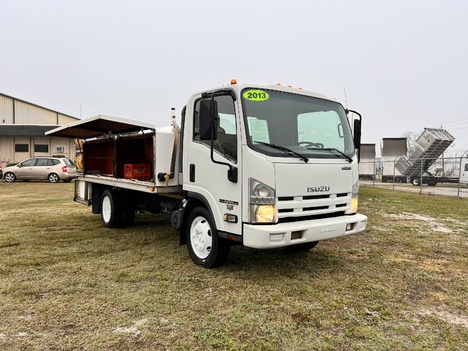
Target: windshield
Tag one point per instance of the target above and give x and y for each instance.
(278, 122)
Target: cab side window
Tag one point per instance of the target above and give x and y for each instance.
(226, 141)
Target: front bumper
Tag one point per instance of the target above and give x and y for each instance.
(286, 234)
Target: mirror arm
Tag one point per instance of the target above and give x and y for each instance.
(232, 171)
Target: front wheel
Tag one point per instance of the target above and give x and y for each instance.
(303, 247)
(205, 247)
(416, 181)
(9, 177)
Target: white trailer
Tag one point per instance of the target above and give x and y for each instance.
(463, 171)
(391, 150)
(367, 169)
(260, 166)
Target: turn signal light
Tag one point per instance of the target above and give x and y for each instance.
(230, 218)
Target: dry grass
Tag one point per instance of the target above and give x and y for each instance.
(67, 283)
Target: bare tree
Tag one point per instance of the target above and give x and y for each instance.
(411, 143)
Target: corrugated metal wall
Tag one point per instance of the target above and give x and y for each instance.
(62, 119)
(6, 110)
(15, 111)
(30, 114)
(6, 150)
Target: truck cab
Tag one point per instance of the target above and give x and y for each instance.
(267, 167)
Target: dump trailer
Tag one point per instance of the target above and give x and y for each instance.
(260, 166)
(392, 149)
(367, 162)
(430, 145)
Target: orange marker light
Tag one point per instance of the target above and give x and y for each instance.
(233, 82)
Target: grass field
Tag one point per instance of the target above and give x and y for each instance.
(67, 283)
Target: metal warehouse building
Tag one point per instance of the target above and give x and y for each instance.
(22, 131)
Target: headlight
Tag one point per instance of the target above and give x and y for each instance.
(354, 199)
(262, 202)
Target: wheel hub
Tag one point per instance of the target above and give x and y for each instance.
(106, 209)
(201, 237)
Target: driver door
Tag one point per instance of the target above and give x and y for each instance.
(207, 175)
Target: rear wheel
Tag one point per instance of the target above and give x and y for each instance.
(416, 181)
(111, 211)
(53, 178)
(205, 247)
(128, 210)
(9, 177)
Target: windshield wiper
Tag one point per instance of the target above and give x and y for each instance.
(338, 151)
(285, 149)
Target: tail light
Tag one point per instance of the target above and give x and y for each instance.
(64, 169)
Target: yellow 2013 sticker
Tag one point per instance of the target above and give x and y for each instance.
(256, 95)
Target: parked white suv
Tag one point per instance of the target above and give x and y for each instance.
(52, 169)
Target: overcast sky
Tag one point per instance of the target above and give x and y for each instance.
(402, 64)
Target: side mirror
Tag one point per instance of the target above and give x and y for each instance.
(357, 133)
(207, 119)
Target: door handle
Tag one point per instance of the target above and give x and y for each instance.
(192, 173)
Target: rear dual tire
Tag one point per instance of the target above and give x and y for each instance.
(117, 209)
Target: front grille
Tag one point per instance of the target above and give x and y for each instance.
(298, 208)
(309, 218)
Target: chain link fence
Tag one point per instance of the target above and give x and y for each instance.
(442, 176)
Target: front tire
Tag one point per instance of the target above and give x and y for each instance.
(416, 181)
(304, 247)
(9, 177)
(204, 245)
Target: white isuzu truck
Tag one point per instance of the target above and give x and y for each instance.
(261, 166)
